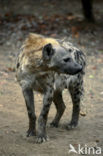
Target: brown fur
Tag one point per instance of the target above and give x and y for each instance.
(32, 50)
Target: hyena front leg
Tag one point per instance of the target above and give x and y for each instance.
(60, 106)
(29, 100)
(76, 92)
(47, 100)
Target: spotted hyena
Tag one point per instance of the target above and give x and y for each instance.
(47, 65)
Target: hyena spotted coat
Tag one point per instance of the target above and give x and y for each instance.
(47, 65)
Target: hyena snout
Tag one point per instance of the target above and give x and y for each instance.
(71, 67)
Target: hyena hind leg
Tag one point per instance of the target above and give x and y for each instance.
(29, 100)
(60, 107)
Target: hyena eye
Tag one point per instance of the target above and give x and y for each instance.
(67, 59)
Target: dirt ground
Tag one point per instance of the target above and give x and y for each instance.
(46, 18)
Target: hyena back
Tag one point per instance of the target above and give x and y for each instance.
(48, 66)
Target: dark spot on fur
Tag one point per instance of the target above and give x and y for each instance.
(77, 92)
(47, 105)
(50, 98)
(78, 84)
(70, 50)
(79, 76)
(18, 64)
(51, 91)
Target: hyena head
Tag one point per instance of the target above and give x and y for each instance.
(60, 60)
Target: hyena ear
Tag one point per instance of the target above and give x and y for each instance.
(48, 51)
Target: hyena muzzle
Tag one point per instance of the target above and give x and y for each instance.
(47, 65)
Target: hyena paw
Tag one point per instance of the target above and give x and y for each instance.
(41, 138)
(31, 133)
(71, 125)
(54, 124)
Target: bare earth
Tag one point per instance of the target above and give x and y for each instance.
(13, 115)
